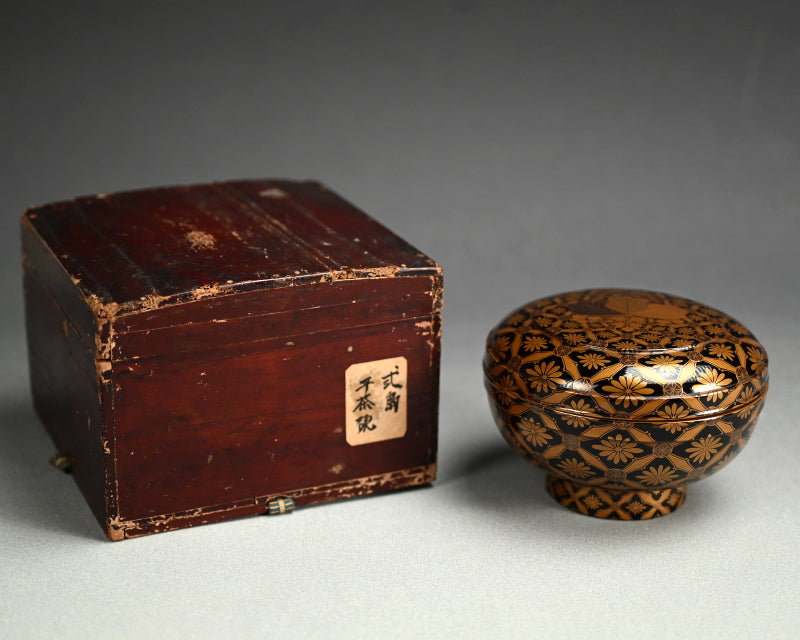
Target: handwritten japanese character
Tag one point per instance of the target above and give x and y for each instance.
(392, 401)
(365, 423)
(363, 403)
(388, 379)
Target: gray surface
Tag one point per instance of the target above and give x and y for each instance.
(529, 149)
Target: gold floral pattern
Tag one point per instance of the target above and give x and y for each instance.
(617, 449)
(545, 376)
(746, 399)
(658, 475)
(664, 364)
(711, 383)
(723, 351)
(702, 450)
(534, 432)
(635, 507)
(616, 505)
(592, 502)
(577, 419)
(757, 357)
(502, 344)
(575, 468)
(534, 343)
(673, 412)
(628, 390)
(625, 395)
(593, 360)
(627, 345)
(505, 390)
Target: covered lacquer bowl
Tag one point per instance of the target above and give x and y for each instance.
(624, 396)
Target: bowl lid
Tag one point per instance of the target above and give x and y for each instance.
(626, 355)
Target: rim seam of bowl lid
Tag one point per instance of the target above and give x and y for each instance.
(561, 410)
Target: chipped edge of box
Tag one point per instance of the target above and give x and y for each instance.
(154, 301)
(119, 529)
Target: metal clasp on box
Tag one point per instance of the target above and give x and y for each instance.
(280, 505)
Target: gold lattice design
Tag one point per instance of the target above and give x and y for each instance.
(626, 355)
(624, 390)
(614, 505)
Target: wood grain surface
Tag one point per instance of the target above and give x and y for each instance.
(188, 347)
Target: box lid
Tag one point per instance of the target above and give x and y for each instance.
(625, 355)
(141, 250)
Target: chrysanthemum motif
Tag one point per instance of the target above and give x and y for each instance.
(746, 398)
(658, 475)
(593, 360)
(665, 364)
(756, 356)
(515, 319)
(574, 338)
(711, 383)
(626, 344)
(702, 449)
(502, 344)
(545, 376)
(628, 390)
(534, 343)
(673, 499)
(617, 449)
(575, 468)
(592, 502)
(506, 389)
(579, 407)
(635, 507)
(673, 411)
(722, 351)
(534, 432)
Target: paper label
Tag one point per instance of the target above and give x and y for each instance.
(376, 400)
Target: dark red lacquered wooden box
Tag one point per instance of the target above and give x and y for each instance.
(198, 352)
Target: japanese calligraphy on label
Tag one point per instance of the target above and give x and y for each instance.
(376, 400)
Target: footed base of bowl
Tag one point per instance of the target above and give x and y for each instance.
(614, 505)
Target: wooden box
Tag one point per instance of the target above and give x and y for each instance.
(198, 352)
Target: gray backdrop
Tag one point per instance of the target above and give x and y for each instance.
(529, 147)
